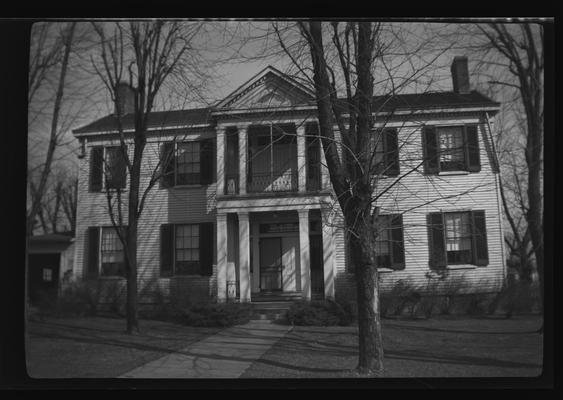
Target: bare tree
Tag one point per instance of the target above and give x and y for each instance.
(40, 63)
(142, 56)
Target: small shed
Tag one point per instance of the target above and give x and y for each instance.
(50, 263)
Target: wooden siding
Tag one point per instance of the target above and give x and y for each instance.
(416, 195)
(188, 204)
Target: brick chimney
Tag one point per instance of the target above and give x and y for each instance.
(125, 98)
(460, 75)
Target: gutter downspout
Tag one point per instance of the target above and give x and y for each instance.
(497, 184)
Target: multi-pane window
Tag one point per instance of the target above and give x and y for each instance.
(115, 168)
(187, 249)
(452, 150)
(188, 163)
(384, 151)
(458, 237)
(383, 242)
(112, 254)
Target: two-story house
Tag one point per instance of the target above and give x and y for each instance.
(244, 206)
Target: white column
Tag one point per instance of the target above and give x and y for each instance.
(222, 257)
(221, 160)
(301, 159)
(243, 152)
(304, 257)
(244, 256)
(255, 257)
(325, 177)
(328, 253)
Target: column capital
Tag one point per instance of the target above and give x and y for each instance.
(221, 216)
(303, 213)
(243, 215)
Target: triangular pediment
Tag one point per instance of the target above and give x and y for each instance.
(268, 89)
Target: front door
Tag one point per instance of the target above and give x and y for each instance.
(271, 267)
(317, 272)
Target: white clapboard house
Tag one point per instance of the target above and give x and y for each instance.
(244, 208)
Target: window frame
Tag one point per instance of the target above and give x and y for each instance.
(175, 253)
(468, 236)
(105, 167)
(462, 149)
(177, 146)
(101, 252)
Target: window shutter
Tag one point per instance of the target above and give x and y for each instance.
(391, 152)
(206, 248)
(480, 247)
(430, 150)
(96, 168)
(397, 243)
(206, 162)
(436, 241)
(472, 146)
(166, 249)
(167, 160)
(93, 240)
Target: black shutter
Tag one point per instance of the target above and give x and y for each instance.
(96, 168)
(472, 144)
(119, 169)
(166, 249)
(93, 243)
(480, 247)
(206, 162)
(167, 160)
(391, 152)
(397, 243)
(436, 241)
(430, 150)
(206, 248)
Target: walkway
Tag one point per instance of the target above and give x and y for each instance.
(226, 354)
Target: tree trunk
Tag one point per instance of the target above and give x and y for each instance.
(131, 248)
(370, 341)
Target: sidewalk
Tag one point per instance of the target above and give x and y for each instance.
(224, 355)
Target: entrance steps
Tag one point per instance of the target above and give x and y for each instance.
(273, 306)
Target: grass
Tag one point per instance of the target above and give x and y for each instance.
(98, 347)
(438, 347)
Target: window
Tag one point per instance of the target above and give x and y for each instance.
(115, 168)
(451, 148)
(187, 163)
(107, 168)
(385, 147)
(186, 250)
(111, 252)
(389, 243)
(457, 238)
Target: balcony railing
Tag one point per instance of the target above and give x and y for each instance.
(273, 182)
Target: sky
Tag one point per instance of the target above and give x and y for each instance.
(220, 41)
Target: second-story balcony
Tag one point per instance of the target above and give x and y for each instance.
(267, 155)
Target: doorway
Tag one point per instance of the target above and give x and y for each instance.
(43, 279)
(317, 271)
(271, 267)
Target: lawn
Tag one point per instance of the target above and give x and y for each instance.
(438, 347)
(97, 347)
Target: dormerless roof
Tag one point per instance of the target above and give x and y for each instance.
(202, 116)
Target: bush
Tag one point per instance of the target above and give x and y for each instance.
(77, 299)
(476, 304)
(403, 295)
(320, 313)
(517, 298)
(217, 314)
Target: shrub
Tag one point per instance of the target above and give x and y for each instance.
(320, 313)
(517, 298)
(403, 295)
(78, 299)
(452, 291)
(476, 304)
(217, 314)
